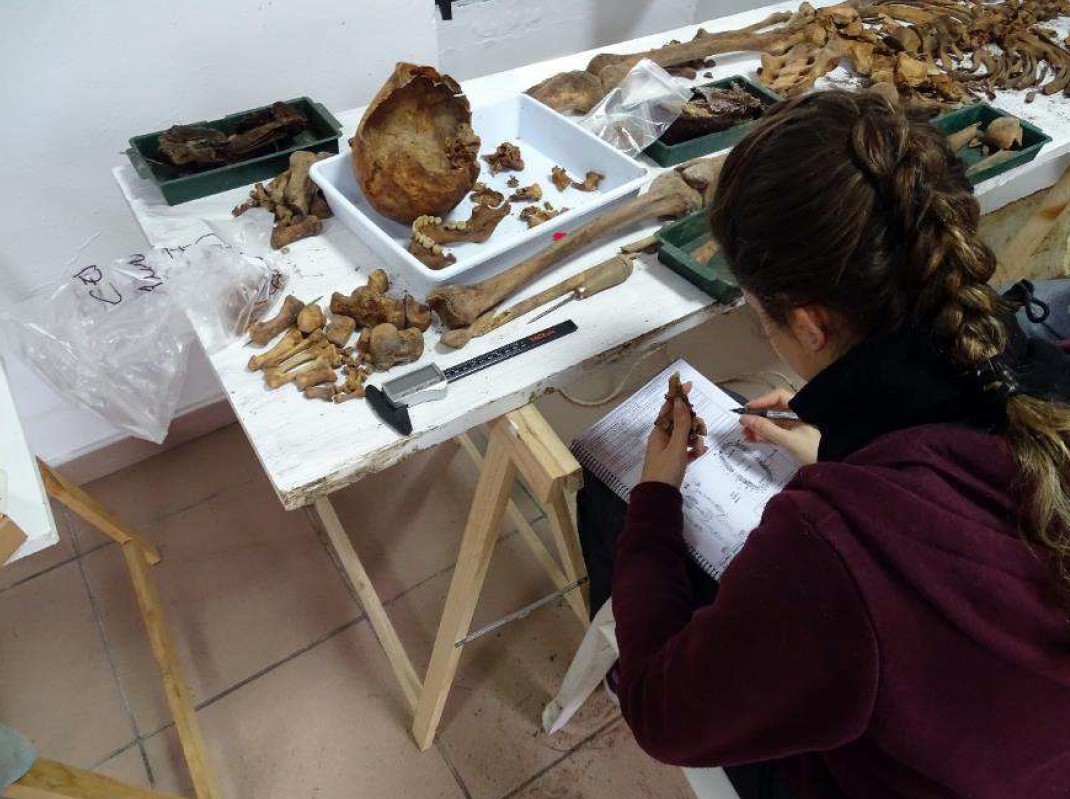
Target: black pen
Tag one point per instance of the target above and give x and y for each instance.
(778, 416)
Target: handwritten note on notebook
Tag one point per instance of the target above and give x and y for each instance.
(724, 491)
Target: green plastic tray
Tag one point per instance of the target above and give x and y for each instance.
(321, 134)
(679, 241)
(672, 154)
(1033, 138)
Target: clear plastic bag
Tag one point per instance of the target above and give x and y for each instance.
(110, 337)
(639, 109)
(222, 288)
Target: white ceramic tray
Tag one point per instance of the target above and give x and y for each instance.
(546, 139)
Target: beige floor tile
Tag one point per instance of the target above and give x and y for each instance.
(491, 728)
(609, 766)
(406, 523)
(172, 481)
(243, 583)
(25, 568)
(127, 767)
(329, 724)
(56, 686)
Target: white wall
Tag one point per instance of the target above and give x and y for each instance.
(492, 35)
(78, 79)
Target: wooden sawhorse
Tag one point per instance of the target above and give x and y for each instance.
(50, 780)
(523, 445)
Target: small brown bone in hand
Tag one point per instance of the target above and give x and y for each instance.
(340, 329)
(389, 346)
(506, 158)
(562, 180)
(292, 338)
(262, 332)
(528, 194)
(664, 421)
(310, 318)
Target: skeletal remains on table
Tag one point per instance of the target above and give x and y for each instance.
(429, 233)
(711, 110)
(670, 195)
(561, 179)
(194, 148)
(665, 421)
(998, 142)
(935, 53)
(536, 215)
(527, 194)
(295, 200)
(414, 152)
(312, 350)
(507, 158)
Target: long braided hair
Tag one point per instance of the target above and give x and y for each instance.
(839, 198)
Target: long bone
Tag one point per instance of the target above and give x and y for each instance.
(315, 339)
(460, 306)
(292, 338)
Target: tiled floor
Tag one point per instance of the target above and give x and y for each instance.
(294, 695)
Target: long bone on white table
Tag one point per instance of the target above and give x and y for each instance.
(654, 305)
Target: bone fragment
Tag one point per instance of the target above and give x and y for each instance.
(322, 372)
(262, 332)
(459, 306)
(389, 346)
(1003, 133)
(325, 391)
(960, 138)
(292, 338)
(340, 329)
(311, 318)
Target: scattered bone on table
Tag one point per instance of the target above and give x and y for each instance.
(507, 158)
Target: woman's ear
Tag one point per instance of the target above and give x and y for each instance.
(812, 327)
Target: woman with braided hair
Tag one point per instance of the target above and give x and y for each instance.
(897, 626)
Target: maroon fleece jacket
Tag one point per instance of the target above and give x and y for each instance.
(884, 631)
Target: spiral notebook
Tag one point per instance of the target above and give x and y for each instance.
(725, 491)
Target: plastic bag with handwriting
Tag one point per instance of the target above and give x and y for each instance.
(109, 337)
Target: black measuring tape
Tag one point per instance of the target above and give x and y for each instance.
(511, 350)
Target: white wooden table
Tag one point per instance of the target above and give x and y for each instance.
(311, 449)
(31, 527)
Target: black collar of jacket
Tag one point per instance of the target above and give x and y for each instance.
(898, 380)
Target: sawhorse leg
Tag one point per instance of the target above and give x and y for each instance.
(521, 445)
(140, 554)
(51, 780)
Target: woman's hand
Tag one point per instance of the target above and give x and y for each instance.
(667, 455)
(800, 440)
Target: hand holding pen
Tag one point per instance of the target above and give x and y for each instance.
(768, 418)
